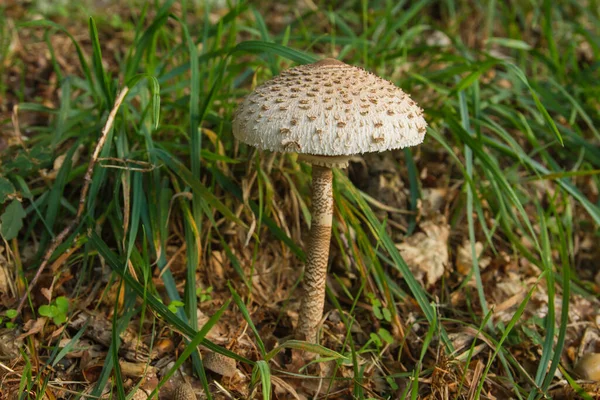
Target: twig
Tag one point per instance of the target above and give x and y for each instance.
(57, 241)
(144, 166)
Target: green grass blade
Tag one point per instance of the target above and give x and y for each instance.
(97, 63)
(156, 304)
(513, 68)
(509, 328)
(246, 314)
(258, 46)
(181, 171)
(229, 186)
(305, 346)
(192, 347)
(398, 263)
(49, 24)
(261, 368)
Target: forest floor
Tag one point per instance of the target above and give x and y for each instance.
(463, 268)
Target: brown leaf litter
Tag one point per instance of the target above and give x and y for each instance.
(426, 252)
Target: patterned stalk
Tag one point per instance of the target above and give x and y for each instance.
(313, 294)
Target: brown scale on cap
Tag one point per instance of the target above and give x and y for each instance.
(355, 112)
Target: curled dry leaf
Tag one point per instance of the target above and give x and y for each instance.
(283, 388)
(136, 369)
(139, 394)
(464, 257)
(32, 327)
(5, 275)
(162, 347)
(590, 341)
(432, 200)
(426, 253)
(218, 333)
(47, 293)
(59, 161)
(437, 38)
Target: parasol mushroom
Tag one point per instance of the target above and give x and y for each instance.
(326, 112)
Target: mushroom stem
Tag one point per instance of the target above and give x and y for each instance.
(313, 295)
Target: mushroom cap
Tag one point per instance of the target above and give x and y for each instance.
(220, 364)
(184, 391)
(588, 367)
(328, 108)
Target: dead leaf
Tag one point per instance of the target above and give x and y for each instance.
(136, 369)
(432, 200)
(282, 387)
(58, 332)
(9, 344)
(218, 333)
(464, 257)
(32, 327)
(59, 161)
(47, 293)
(5, 276)
(162, 347)
(426, 253)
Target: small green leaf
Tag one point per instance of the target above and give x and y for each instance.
(12, 220)
(377, 312)
(62, 303)
(391, 382)
(10, 325)
(386, 335)
(60, 319)
(48, 311)
(387, 315)
(375, 339)
(174, 305)
(11, 313)
(6, 189)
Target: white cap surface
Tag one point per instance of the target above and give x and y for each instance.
(328, 108)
